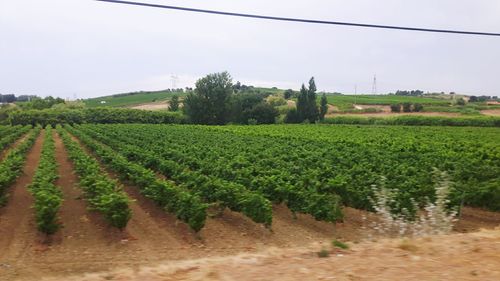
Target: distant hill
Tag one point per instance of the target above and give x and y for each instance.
(131, 99)
(144, 97)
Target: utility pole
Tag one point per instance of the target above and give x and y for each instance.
(174, 79)
(355, 92)
(374, 85)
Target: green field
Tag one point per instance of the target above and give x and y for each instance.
(132, 99)
(310, 168)
(136, 98)
(346, 101)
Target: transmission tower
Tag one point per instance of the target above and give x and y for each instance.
(174, 79)
(374, 85)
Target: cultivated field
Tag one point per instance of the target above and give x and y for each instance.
(346, 101)
(131, 99)
(89, 198)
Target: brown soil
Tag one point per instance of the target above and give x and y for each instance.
(472, 256)
(473, 219)
(332, 109)
(86, 244)
(18, 236)
(163, 105)
(491, 112)
(383, 108)
(159, 105)
(17, 142)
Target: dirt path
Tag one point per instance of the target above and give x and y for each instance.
(18, 234)
(491, 112)
(472, 256)
(87, 243)
(16, 143)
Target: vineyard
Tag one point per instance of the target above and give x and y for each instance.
(123, 178)
(313, 170)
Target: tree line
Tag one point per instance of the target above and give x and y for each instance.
(216, 101)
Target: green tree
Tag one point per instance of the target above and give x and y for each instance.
(302, 104)
(288, 94)
(406, 107)
(418, 107)
(263, 113)
(460, 101)
(395, 108)
(313, 111)
(174, 103)
(292, 116)
(307, 108)
(241, 104)
(323, 107)
(209, 104)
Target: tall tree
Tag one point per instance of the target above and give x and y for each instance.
(209, 104)
(302, 104)
(313, 112)
(323, 107)
(307, 108)
(174, 103)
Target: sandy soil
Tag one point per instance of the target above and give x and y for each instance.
(86, 244)
(17, 227)
(491, 112)
(162, 105)
(332, 109)
(472, 256)
(383, 108)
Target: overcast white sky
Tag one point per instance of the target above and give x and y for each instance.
(88, 48)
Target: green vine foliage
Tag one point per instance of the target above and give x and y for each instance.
(103, 194)
(48, 197)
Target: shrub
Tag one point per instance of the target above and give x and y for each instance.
(262, 113)
(252, 121)
(323, 253)
(174, 103)
(418, 107)
(395, 108)
(477, 121)
(340, 244)
(94, 115)
(47, 195)
(288, 94)
(276, 101)
(406, 107)
(292, 116)
(435, 218)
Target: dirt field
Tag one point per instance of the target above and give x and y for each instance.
(86, 244)
(473, 256)
(163, 105)
(491, 112)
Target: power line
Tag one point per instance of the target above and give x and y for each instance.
(301, 20)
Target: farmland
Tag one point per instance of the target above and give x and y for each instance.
(346, 101)
(133, 191)
(130, 99)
